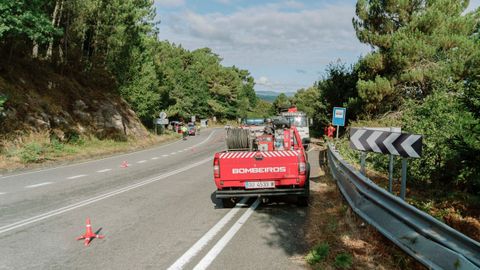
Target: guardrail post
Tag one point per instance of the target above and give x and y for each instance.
(362, 162)
(404, 178)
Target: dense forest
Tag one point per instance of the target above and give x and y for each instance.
(422, 75)
(120, 39)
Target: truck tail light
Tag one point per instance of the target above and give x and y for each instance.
(302, 167)
(216, 168)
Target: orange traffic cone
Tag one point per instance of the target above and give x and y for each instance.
(124, 164)
(89, 234)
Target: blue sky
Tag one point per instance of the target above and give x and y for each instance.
(286, 44)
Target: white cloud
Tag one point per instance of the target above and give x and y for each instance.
(277, 86)
(263, 81)
(170, 3)
(270, 27)
(273, 40)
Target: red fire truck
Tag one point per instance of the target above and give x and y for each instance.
(272, 164)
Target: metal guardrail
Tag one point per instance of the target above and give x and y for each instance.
(428, 240)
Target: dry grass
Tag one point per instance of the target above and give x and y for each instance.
(332, 222)
(458, 210)
(37, 149)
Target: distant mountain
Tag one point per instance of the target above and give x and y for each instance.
(271, 95)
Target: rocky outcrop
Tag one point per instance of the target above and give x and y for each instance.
(65, 106)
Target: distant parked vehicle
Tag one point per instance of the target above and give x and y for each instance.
(192, 129)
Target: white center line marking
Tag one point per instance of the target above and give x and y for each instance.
(141, 161)
(93, 161)
(76, 176)
(104, 170)
(56, 212)
(2, 193)
(180, 151)
(164, 155)
(173, 153)
(154, 158)
(202, 242)
(39, 185)
(220, 245)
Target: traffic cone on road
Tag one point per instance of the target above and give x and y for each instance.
(124, 164)
(89, 234)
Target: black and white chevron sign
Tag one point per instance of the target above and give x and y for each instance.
(400, 144)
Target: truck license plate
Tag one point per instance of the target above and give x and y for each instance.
(263, 184)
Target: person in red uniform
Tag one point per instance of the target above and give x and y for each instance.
(330, 131)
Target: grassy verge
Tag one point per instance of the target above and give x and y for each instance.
(38, 149)
(341, 240)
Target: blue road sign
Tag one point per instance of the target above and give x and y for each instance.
(339, 115)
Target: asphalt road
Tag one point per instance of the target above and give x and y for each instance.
(156, 213)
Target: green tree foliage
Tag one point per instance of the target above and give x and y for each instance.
(281, 102)
(195, 83)
(305, 99)
(451, 150)
(120, 37)
(423, 71)
(337, 89)
(25, 20)
(417, 44)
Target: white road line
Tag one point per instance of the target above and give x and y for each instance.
(180, 151)
(2, 193)
(202, 242)
(39, 185)
(116, 156)
(222, 243)
(141, 161)
(164, 155)
(104, 170)
(92, 161)
(74, 206)
(154, 158)
(173, 153)
(76, 176)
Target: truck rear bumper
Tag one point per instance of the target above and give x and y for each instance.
(221, 194)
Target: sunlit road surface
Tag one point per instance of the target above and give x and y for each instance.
(156, 210)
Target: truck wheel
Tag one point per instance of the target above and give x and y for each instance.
(228, 203)
(302, 200)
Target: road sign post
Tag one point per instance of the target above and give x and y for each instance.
(403, 189)
(339, 115)
(388, 142)
(363, 158)
(162, 122)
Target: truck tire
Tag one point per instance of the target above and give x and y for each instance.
(302, 200)
(228, 203)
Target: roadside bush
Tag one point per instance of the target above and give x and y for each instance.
(451, 141)
(343, 261)
(31, 153)
(318, 253)
(3, 99)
